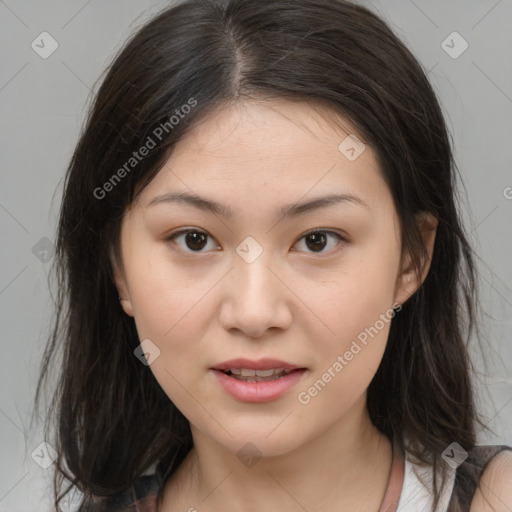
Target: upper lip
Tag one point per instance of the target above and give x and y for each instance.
(261, 364)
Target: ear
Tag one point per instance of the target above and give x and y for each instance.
(408, 280)
(121, 285)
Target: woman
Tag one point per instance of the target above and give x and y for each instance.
(265, 282)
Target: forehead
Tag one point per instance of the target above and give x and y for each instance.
(257, 152)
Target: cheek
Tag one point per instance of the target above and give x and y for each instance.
(169, 310)
(361, 325)
(355, 298)
(356, 305)
(164, 296)
(360, 313)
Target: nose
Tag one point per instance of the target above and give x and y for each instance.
(256, 299)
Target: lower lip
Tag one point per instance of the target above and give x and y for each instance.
(258, 391)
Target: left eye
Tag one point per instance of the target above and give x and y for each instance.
(196, 240)
(316, 240)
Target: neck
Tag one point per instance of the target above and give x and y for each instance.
(345, 468)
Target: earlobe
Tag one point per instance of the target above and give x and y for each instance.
(409, 280)
(122, 288)
(126, 305)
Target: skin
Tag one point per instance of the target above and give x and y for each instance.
(291, 303)
(495, 491)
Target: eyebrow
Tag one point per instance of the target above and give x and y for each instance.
(287, 211)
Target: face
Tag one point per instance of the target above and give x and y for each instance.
(245, 281)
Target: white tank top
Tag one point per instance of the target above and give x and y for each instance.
(415, 497)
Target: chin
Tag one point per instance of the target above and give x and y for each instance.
(259, 442)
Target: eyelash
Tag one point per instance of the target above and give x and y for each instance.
(341, 239)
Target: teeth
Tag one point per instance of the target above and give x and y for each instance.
(250, 375)
(265, 373)
(246, 372)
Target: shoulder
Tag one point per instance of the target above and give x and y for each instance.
(494, 493)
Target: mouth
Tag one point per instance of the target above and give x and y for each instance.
(249, 375)
(257, 381)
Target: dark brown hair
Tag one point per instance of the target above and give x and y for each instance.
(216, 52)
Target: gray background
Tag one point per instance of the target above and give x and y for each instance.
(43, 103)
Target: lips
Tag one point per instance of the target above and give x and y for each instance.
(257, 381)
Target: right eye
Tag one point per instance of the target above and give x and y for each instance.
(194, 239)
